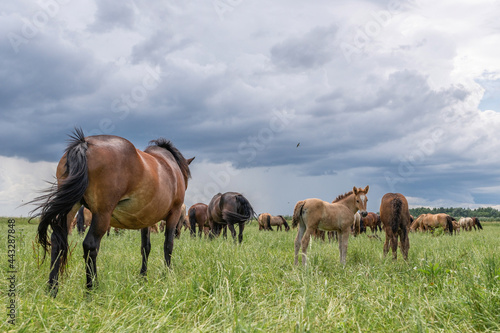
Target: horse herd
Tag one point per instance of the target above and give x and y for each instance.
(123, 187)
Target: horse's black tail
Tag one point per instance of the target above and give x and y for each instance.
(297, 213)
(244, 211)
(80, 221)
(60, 198)
(449, 224)
(379, 223)
(396, 214)
(476, 221)
(287, 227)
(268, 220)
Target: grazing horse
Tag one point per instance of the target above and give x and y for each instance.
(312, 214)
(266, 221)
(198, 215)
(229, 209)
(122, 186)
(476, 223)
(372, 220)
(465, 223)
(433, 221)
(395, 218)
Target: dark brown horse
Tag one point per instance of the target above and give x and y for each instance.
(229, 209)
(122, 186)
(477, 223)
(198, 216)
(395, 218)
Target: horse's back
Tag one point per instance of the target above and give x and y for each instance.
(328, 216)
(135, 187)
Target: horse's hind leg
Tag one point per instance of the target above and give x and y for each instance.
(300, 234)
(91, 244)
(59, 241)
(232, 230)
(405, 245)
(394, 246)
(305, 243)
(145, 249)
(241, 227)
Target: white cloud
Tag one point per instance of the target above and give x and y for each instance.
(20, 182)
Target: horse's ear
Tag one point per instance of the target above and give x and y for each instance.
(190, 160)
(366, 188)
(355, 190)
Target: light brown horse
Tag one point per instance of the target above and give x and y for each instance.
(312, 214)
(122, 186)
(229, 209)
(395, 218)
(266, 221)
(357, 226)
(429, 222)
(198, 216)
(372, 220)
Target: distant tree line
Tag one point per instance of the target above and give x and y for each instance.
(483, 213)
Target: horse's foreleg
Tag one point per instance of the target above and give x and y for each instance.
(145, 249)
(343, 241)
(91, 245)
(224, 233)
(168, 246)
(170, 230)
(232, 230)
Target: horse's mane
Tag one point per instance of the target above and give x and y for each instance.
(179, 158)
(342, 196)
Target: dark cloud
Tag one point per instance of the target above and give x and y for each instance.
(111, 15)
(312, 50)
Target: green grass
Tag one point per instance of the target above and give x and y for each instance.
(449, 284)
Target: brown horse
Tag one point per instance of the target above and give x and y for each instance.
(229, 209)
(395, 218)
(372, 220)
(266, 221)
(81, 220)
(312, 214)
(429, 222)
(181, 222)
(122, 187)
(198, 215)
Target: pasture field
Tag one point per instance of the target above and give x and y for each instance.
(449, 284)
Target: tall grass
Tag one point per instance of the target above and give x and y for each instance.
(448, 284)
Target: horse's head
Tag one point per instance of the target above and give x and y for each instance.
(361, 199)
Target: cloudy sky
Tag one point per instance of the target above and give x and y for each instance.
(280, 100)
